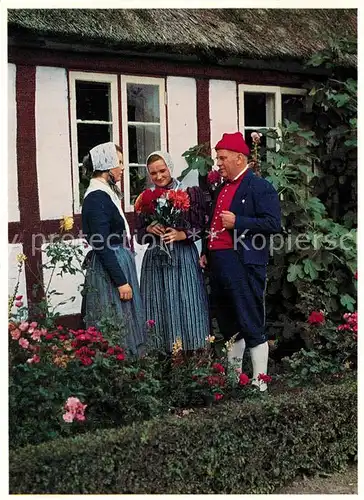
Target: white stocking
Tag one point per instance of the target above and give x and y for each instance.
(236, 353)
(259, 357)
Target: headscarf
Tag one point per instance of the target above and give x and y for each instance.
(174, 184)
(104, 156)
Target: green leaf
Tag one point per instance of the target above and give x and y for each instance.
(294, 271)
(310, 269)
(347, 301)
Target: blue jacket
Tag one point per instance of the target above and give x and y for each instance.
(258, 215)
(101, 217)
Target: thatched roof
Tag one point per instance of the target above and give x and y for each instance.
(209, 33)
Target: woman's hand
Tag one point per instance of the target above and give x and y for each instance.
(203, 261)
(156, 229)
(125, 292)
(173, 235)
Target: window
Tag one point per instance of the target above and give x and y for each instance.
(144, 130)
(94, 119)
(263, 107)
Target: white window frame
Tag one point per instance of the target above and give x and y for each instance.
(265, 89)
(124, 80)
(75, 76)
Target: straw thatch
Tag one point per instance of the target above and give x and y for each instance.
(213, 33)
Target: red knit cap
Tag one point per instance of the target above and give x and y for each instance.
(233, 142)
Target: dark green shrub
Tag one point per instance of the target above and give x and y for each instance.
(250, 447)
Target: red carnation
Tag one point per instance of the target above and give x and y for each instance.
(316, 318)
(179, 199)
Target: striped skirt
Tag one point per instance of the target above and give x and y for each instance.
(174, 296)
(121, 322)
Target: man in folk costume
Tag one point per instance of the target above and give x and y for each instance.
(245, 212)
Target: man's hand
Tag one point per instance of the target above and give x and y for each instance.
(125, 292)
(171, 235)
(156, 229)
(227, 219)
(203, 261)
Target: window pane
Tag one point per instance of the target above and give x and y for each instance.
(143, 140)
(259, 109)
(93, 101)
(89, 135)
(138, 182)
(143, 103)
(293, 107)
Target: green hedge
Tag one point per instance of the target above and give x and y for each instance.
(250, 447)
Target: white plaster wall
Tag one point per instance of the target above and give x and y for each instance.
(223, 109)
(68, 284)
(13, 195)
(53, 143)
(182, 123)
(13, 251)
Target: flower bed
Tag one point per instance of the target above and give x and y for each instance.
(246, 447)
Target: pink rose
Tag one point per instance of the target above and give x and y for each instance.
(24, 343)
(24, 325)
(18, 297)
(15, 334)
(68, 417)
(256, 137)
(37, 335)
(34, 359)
(33, 324)
(150, 323)
(18, 304)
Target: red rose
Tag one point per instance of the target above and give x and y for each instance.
(316, 318)
(120, 357)
(49, 336)
(86, 361)
(218, 368)
(218, 396)
(243, 379)
(145, 203)
(264, 378)
(213, 177)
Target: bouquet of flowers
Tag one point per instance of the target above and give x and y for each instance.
(161, 206)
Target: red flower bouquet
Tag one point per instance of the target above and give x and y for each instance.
(163, 206)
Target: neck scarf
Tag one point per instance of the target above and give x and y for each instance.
(98, 185)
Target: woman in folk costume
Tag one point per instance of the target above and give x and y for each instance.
(111, 290)
(172, 285)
